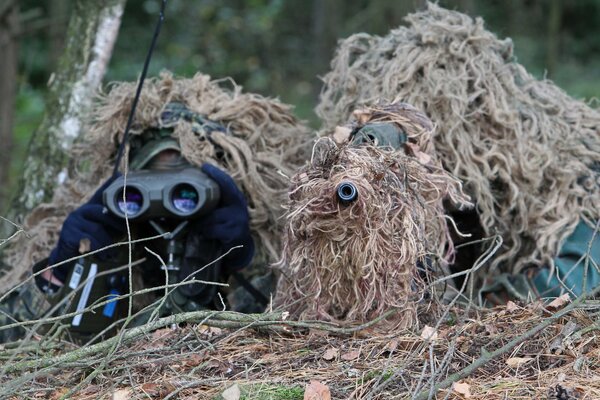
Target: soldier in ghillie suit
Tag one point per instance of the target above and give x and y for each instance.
(527, 153)
(366, 230)
(240, 146)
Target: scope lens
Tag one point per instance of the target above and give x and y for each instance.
(133, 201)
(185, 198)
(347, 192)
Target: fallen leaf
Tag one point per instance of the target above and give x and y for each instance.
(151, 389)
(351, 355)
(59, 393)
(315, 390)
(193, 360)
(232, 393)
(511, 306)
(330, 353)
(313, 332)
(391, 346)
(491, 329)
(362, 116)
(515, 362)
(161, 333)
(122, 394)
(341, 134)
(462, 388)
(429, 333)
(209, 331)
(559, 302)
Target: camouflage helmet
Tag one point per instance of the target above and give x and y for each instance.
(148, 145)
(380, 134)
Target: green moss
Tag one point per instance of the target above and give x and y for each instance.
(269, 392)
(377, 374)
(272, 392)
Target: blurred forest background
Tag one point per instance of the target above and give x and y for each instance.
(276, 48)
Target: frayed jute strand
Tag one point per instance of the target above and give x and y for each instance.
(263, 144)
(528, 154)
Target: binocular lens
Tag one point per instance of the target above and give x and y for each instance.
(132, 203)
(185, 198)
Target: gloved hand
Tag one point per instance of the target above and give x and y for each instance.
(86, 222)
(229, 222)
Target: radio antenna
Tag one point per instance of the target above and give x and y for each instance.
(161, 18)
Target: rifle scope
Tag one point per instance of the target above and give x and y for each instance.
(347, 193)
(179, 194)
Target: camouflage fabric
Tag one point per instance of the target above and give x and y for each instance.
(155, 140)
(381, 134)
(26, 303)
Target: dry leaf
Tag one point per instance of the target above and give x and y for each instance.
(59, 393)
(429, 333)
(330, 353)
(209, 331)
(315, 390)
(351, 355)
(391, 346)
(151, 389)
(559, 302)
(462, 388)
(232, 393)
(122, 394)
(515, 362)
(318, 332)
(362, 116)
(341, 134)
(511, 306)
(193, 360)
(491, 329)
(161, 333)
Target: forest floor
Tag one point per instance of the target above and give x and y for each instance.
(538, 351)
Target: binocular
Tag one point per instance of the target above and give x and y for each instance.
(178, 194)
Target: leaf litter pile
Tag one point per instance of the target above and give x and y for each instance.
(273, 358)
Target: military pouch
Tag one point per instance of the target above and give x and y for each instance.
(93, 288)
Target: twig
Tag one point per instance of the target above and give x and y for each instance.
(227, 319)
(486, 357)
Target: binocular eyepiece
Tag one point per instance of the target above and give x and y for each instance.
(179, 194)
(347, 193)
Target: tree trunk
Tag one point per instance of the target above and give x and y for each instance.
(9, 27)
(92, 31)
(59, 12)
(553, 37)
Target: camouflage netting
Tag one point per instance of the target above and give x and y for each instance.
(527, 153)
(264, 143)
(352, 262)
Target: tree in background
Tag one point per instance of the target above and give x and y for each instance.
(9, 36)
(92, 31)
(280, 48)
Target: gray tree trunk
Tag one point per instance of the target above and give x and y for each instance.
(9, 31)
(92, 31)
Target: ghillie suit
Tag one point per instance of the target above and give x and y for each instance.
(262, 140)
(352, 261)
(527, 153)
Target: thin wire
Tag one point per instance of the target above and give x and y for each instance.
(161, 18)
